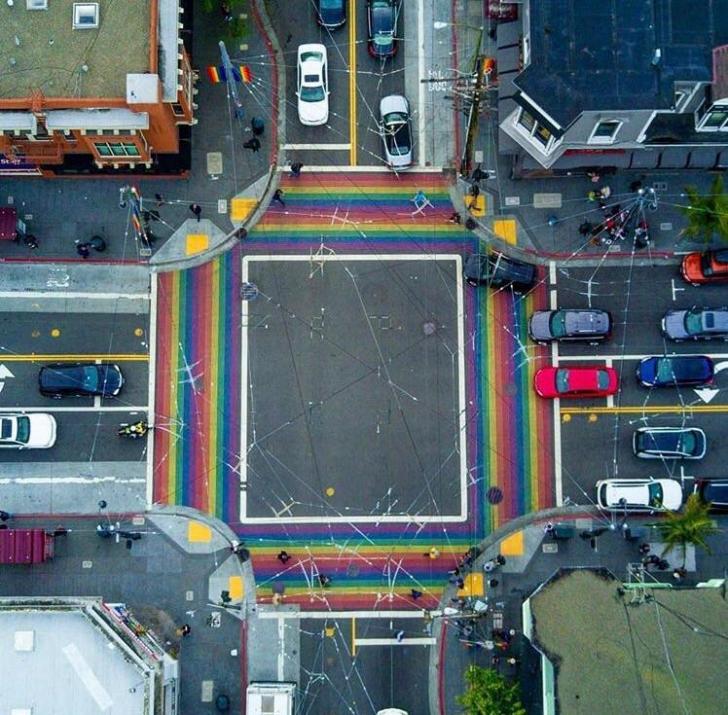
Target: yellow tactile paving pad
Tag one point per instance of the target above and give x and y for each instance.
(198, 533)
(505, 228)
(196, 243)
(240, 209)
(236, 588)
(473, 585)
(512, 545)
(476, 205)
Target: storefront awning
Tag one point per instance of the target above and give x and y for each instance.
(98, 119)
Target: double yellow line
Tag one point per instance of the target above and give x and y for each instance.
(352, 82)
(67, 357)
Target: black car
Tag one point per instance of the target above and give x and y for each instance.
(382, 16)
(331, 13)
(669, 443)
(499, 271)
(570, 324)
(80, 380)
(713, 491)
(675, 370)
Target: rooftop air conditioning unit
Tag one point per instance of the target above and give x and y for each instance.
(36, 4)
(85, 15)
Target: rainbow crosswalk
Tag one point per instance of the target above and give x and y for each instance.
(197, 449)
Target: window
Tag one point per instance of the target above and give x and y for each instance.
(178, 110)
(116, 149)
(85, 15)
(36, 4)
(536, 132)
(713, 119)
(605, 131)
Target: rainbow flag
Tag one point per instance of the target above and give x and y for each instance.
(213, 74)
(246, 74)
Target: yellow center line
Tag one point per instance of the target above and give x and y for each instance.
(68, 357)
(352, 82)
(353, 637)
(639, 410)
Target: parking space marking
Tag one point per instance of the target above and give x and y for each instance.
(352, 83)
(69, 357)
(418, 640)
(79, 408)
(624, 358)
(151, 395)
(334, 615)
(675, 289)
(421, 124)
(552, 273)
(70, 295)
(318, 147)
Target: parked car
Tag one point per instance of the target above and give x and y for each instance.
(27, 431)
(570, 324)
(80, 380)
(708, 267)
(576, 381)
(696, 324)
(675, 370)
(313, 85)
(713, 491)
(669, 443)
(382, 17)
(639, 495)
(499, 271)
(396, 130)
(331, 13)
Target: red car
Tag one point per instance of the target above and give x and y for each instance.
(708, 267)
(576, 381)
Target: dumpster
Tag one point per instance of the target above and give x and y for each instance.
(8, 223)
(25, 546)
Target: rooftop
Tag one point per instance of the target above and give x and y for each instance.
(41, 50)
(599, 56)
(662, 656)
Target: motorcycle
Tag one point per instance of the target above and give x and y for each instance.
(135, 430)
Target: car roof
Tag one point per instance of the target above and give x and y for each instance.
(714, 490)
(585, 321)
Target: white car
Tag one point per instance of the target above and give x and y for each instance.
(396, 130)
(313, 85)
(31, 431)
(639, 495)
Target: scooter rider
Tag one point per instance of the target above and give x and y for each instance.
(138, 429)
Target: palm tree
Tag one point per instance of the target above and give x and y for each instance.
(692, 525)
(707, 215)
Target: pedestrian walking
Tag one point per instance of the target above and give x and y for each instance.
(283, 557)
(82, 249)
(455, 217)
(227, 14)
(30, 240)
(196, 210)
(679, 573)
(253, 144)
(454, 572)
(60, 531)
(433, 553)
(644, 549)
(399, 637)
(257, 125)
(278, 196)
(160, 200)
(184, 630)
(4, 515)
(325, 581)
(296, 169)
(500, 560)
(493, 582)
(415, 594)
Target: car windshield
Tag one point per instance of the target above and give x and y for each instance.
(686, 444)
(654, 491)
(693, 323)
(557, 324)
(331, 4)
(23, 430)
(562, 380)
(665, 370)
(602, 379)
(312, 94)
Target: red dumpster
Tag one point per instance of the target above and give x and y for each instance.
(25, 546)
(8, 223)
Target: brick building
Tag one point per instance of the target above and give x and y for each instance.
(91, 87)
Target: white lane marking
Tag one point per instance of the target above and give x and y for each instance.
(461, 392)
(151, 395)
(610, 398)
(51, 408)
(70, 295)
(421, 640)
(706, 394)
(281, 649)
(620, 358)
(243, 463)
(318, 147)
(552, 273)
(5, 373)
(675, 289)
(332, 615)
(558, 471)
(421, 124)
(334, 169)
(374, 257)
(56, 480)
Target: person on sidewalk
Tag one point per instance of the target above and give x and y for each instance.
(160, 200)
(82, 249)
(253, 144)
(196, 210)
(30, 240)
(4, 515)
(257, 125)
(455, 218)
(296, 169)
(184, 630)
(278, 196)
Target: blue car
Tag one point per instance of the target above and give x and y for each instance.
(331, 13)
(675, 370)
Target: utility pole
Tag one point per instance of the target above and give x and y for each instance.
(481, 69)
(230, 79)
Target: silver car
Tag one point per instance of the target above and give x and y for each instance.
(669, 443)
(696, 324)
(570, 324)
(396, 131)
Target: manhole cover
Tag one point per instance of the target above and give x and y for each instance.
(248, 291)
(494, 495)
(429, 328)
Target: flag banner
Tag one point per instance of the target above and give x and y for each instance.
(213, 74)
(246, 74)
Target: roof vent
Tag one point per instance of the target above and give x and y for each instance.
(36, 4)
(85, 15)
